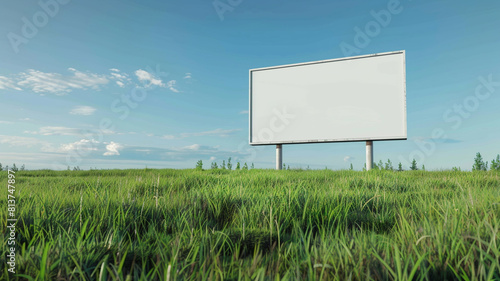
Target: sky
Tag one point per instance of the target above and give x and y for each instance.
(163, 84)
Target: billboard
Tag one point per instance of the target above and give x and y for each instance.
(347, 99)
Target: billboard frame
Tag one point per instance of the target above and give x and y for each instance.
(250, 111)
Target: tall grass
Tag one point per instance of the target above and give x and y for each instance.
(254, 225)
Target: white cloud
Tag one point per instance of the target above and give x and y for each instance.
(244, 112)
(83, 145)
(121, 78)
(188, 76)
(5, 122)
(147, 77)
(7, 83)
(56, 83)
(171, 86)
(212, 158)
(83, 110)
(113, 149)
(192, 147)
(348, 158)
(168, 137)
(25, 119)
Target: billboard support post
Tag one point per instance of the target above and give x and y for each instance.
(279, 157)
(369, 155)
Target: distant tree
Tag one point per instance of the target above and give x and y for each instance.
(77, 168)
(252, 167)
(495, 164)
(413, 166)
(14, 168)
(22, 168)
(308, 168)
(479, 165)
(229, 165)
(245, 166)
(223, 166)
(456, 169)
(214, 166)
(423, 167)
(1, 168)
(199, 165)
(388, 165)
(400, 167)
(380, 165)
(288, 168)
(364, 167)
(351, 167)
(284, 166)
(238, 165)
(7, 168)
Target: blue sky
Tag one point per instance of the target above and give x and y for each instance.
(162, 84)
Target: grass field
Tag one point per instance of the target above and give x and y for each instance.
(254, 225)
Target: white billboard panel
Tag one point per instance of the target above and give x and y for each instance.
(348, 99)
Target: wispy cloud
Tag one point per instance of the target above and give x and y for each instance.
(7, 83)
(348, 158)
(187, 76)
(216, 132)
(65, 131)
(55, 131)
(56, 83)
(149, 78)
(83, 110)
(436, 140)
(244, 112)
(192, 147)
(121, 79)
(171, 86)
(5, 122)
(20, 141)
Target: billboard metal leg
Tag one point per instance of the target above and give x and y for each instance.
(369, 155)
(279, 157)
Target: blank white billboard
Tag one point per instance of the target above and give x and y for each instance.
(348, 99)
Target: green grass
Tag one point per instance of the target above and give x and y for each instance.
(254, 225)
